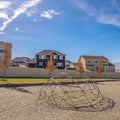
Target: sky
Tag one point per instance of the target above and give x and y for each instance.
(72, 27)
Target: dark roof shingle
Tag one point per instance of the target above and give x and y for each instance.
(111, 64)
(47, 52)
(94, 57)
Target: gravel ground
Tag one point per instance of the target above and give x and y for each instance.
(21, 103)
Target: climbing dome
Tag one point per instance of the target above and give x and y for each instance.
(64, 92)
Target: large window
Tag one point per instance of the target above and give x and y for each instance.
(55, 57)
(59, 64)
(61, 57)
(1, 51)
(40, 63)
(42, 57)
(89, 61)
(1, 57)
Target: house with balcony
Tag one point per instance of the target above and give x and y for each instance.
(91, 63)
(43, 57)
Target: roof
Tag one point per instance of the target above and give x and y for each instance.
(2, 43)
(21, 58)
(111, 64)
(68, 61)
(47, 52)
(94, 57)
(75, 64)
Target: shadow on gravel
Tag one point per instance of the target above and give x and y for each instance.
(19, 89)
(103, 105)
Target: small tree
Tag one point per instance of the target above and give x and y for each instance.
(99, 69)
(80, 67)
(50, 64)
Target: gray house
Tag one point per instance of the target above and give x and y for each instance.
(43, 56)
(20, 61)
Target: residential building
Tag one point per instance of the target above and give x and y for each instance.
(91, 63)
(43, 57)
(5, 51)
(31, 63)
(69, 65)
(20, 61)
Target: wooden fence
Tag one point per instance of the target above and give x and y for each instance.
(39, 72)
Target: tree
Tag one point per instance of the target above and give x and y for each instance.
(99, 69)
(50, 64)
(6, 62)
(80, 67)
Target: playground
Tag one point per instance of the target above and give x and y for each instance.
(22, 103)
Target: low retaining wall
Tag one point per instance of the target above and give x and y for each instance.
(39, 72)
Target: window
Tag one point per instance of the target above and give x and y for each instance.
(40, 63)
(89, 61)
(61, 57)
(1, 57)
(55, 57)
(23, 60)
(42, 57)
(59, 64)
(1, 51)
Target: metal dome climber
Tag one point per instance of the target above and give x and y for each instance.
(66, 93)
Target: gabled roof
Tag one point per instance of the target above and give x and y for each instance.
(111, 64)
(21, 58)
(75, 64)
(68, 61)
(94, 57)
(47, 52)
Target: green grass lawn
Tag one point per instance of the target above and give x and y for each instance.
(22, 80)
(44, 80)
(32, 80)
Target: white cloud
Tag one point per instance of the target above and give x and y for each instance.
(83, 5)
(115, 4)
(101, 15)
(1, 33)
(49, 14)
(29, 13)
(3, 15)
(22, 9)
(16, 29)
(4, 5)
(108, 19)
(35, 20)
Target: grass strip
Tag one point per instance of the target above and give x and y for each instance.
(44, 80)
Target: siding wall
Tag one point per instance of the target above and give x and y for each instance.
(37, 72)
(90, 64)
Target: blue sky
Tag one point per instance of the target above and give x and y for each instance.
(73, 27)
